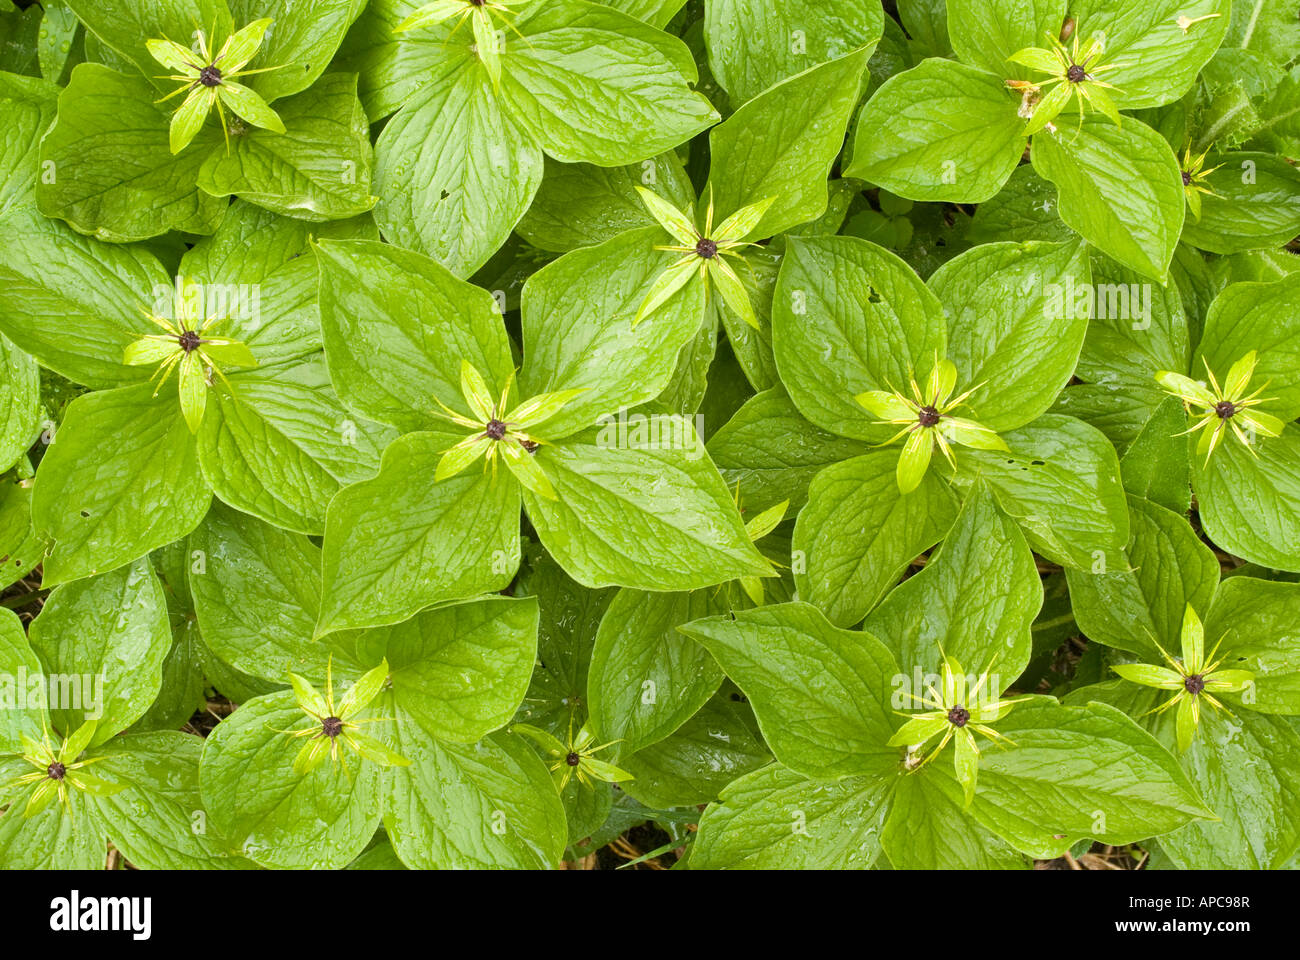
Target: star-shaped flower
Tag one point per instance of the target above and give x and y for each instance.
(1229, 406)
(189, 345)
(333, 724)
(1194, 177)
(209, 81)
(574, 758)
(496, 431)
(1195, 676)
(1074, 71)
(928, 422)
(56, 771)
(704, 252)
(480, 13)
(957, 712)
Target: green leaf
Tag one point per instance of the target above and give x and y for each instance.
(124, 26)
(788, 658)
(1159, 60)
(461, 671)
(111, 171)
(300, 46)
(649, 517)
(453, 172)
(20, 396)
(579, 205)
(140, 492)
(940, 131)
(397, 327)
(755, 45)
(30, 106)
(780, 146)
(1250, 504)
(1075, 772)
(490, 804)
(773, 453)
(1264, 317)
(592, 85)
(22, 715)
(318, 169)
(1013, 331)
(273, 816)
(849, 316)
(985, 33)
(52, 840)
(974, 601)
(1255, 204)
(282, 444)
(646, 679)
(1061, 482)
(104, 639)
(20, 549)
(457, 537)
(775, 818)
(858, 533)
(1256, 620)
(1134, 172)
(1156, 465)
(577, 326)
(158, 821)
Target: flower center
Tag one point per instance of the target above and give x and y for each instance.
(189, 341)
(958, 716)
(56, 770)
(927, 416)
(1187, 179)
(573, 759)
(708, 249)
(1224, 409)
(495, 429)
(1194, 684)
(1076, 73)
(331, 727)
(210, 76)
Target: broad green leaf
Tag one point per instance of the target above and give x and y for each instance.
(985, 33)
(1158, 60)
(1134, 173)
(281, 445)
(821, 694)
(1137, 603)
(1157, 465)
(848, 316)
(453, 172)
(773, 453)
(111, 172)
(158, 821)
(299, 45)
(857, 535)
(755, 44)
(486, 805)
(579, 205)
(596, 86)
(1250, 499)
(698, 760)
(1025, 208)
(21, 713)
(104, 505)
(974, 601)
(460, 672)
(99, 292)
(649, 517)
(1264, 317)
(103, 640)
(1257, 621)
(30, 105)
(20, 549)
(1013, 331)
(1075, 772)
(20, 399)
(940, 131)
(52, 840)
(578, 330)
(397, 327)
(273, 816)
(780, 146)
(775, 818)
(1118, 410)
(646, 679)
(257, 596)
(1255, 204)
(318, 169)
(124, 26)
(456, 538)
(1061, 482)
